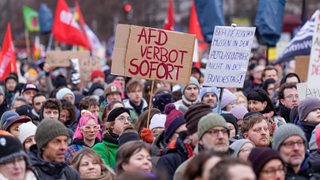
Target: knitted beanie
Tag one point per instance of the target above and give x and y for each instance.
(111, 88)
(260, 156)
(62, 92)
(174, 120)
(206, 90)
(238, 111)
(307, 105)
(192, 81)
(128, 136)
(114, 113)
(26, 130)
(237, 145)
(285, 131)
(227, 98)
(97, 73)
(10, 148)
(193, 115)
(47, 130)
(159, 101)
(209, 121)
(157, 121)
(231, 119)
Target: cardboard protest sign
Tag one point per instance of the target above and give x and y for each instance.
(154, 54)
(61, 58)
(229, 56)
(302, 65)
(314, 63)
(87, 66)
(304, 91)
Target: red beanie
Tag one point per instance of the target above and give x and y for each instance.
(173, 121)
(97, 73)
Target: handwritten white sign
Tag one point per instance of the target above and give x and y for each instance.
(304, 91)
(229, 56)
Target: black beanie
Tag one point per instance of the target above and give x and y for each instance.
(194, 113)
(116, 112)
(10, 148)
(231, 119)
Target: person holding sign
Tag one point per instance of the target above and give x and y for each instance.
(190, 95)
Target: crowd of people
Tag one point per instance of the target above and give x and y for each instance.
(118, 127)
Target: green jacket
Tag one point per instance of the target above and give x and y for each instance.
(107, 151)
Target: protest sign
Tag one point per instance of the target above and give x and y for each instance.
(87, 66)
(61, 58)
(302, 65)
(314, 63)
(229, 56)
(304, 91)
(154, 54)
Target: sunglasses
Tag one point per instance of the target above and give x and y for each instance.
(91, 128)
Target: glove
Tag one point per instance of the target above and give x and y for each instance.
(146, 135)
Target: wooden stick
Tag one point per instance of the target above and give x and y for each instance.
(150, 100)
(26, 34)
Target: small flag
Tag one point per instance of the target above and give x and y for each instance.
(30, 17)
(169, 22)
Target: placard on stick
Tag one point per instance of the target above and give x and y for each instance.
(304, 91)
(302, 65)
(154, 54)
(61, 58)
(229, 56)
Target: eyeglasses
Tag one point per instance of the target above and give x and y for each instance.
(124, 119)
(291, 144)
(215, 132)
(291, 96)
(273, 171)
(91, 128)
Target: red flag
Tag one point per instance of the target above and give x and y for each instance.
(194, 28)
(79, 17)
(169, 22)
(7, 57)
(65, 28)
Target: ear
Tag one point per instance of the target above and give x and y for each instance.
(124, 166)
(264, 103)
(281, 101)
(245, 135)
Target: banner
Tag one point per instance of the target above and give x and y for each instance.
(7, 55)
(314, 63)
(30, 17)
(229, 56)
(301, 44)
(154, 54)
(65, 28)
(45, 19)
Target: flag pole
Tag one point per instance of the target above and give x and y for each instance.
(26, 33)
(150, 100)
(50, 42)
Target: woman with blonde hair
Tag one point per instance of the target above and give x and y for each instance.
(90, 166)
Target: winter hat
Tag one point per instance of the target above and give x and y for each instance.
(237, 145)
(1, 91)
(306, 106)
(285, 131)
(13, 76)
(10, 148)
(97, 73)
(227, 98)
(209, 121)
(128, 136)
(40, 75)
(62, 92)
(157, 121)
(47, 130)
(174, 120)
(231, 119)
(24, 110)
(111, 88)
(159, 101)
(194, 113)
(15, 119)
(116, 112)
(6, 115)
(26, 130)
(317, 134)
(27, 87)
(206, 90)
(192, 81)
(238, 111)
(260, 156)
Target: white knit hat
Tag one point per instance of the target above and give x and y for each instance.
(62, 92)
(157, 121)
(26, 130)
